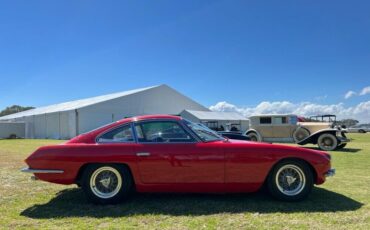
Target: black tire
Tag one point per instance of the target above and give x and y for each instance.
(253, 136)
(327, 142)
(341, 146)
(362, 131)
(304, 177)
(98, 191)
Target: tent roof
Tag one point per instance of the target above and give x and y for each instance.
(72, 105)
(212, 115)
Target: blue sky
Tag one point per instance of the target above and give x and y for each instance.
(241, 52)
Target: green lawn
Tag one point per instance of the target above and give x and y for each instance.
(341, 203)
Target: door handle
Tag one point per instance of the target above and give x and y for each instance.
(143, 154)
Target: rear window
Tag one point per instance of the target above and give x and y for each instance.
(265, 120)
(120, 134)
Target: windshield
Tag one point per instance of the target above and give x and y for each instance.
(204, 133)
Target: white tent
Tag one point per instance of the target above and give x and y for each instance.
(68, 119)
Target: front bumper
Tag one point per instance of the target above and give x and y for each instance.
(29, 170)
(330, 172)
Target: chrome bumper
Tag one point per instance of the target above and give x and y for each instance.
(29, 170)
(331, 172)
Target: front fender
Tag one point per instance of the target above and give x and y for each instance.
(312, 139)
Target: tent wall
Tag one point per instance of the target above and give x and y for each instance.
(12, 128)
(52, 126)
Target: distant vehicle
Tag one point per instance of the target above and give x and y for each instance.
(234, 135)
(357, 130)
(289, 128)
(162, 153)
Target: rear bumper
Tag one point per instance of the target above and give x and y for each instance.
(29, 170)
(330, 172)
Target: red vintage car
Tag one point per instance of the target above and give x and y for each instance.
(162, 153)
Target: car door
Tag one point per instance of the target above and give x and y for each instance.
(168, 154)
(265, 127)
(282, 129)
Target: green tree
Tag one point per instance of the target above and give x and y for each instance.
(14, 109)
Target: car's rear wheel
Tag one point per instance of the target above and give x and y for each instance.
(106, 184)
(300, 134)
(327, 142)
(361, 131)
(290, 180)
(253, 136)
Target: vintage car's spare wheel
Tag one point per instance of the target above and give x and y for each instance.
(253, 136)
(327, 142)
(106, 184)
(300, 134)
(290, 180)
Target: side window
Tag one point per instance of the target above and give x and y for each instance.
(265, 120)
(280, 120)
(121, 134)
(161, 131)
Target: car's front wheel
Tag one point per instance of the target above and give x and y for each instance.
(290, 180)
(327, 142)
(106, 184)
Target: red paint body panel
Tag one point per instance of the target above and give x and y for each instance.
(220, 166)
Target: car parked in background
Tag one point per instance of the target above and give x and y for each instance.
(162, 153)
(235, 135)
(357, 130)
(289, 128)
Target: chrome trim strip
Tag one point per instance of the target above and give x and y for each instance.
(29, 170)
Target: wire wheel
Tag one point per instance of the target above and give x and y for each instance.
(105, 182)
(327, 142)
(290, 180)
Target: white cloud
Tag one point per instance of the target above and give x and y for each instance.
(360, 112)
(365, 91)
(349, 94)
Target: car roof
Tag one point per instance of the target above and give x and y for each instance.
(149, 117)
(273, 115)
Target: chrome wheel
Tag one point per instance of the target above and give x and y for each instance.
(290, 180)
(105, 182)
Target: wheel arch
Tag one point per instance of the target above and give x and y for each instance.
(313, 170)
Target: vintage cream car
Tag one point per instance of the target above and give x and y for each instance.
(289, 128)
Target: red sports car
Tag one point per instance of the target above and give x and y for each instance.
(162, 153)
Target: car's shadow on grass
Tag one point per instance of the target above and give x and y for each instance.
(72, 203)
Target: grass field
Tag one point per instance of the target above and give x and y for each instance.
(341, 203)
